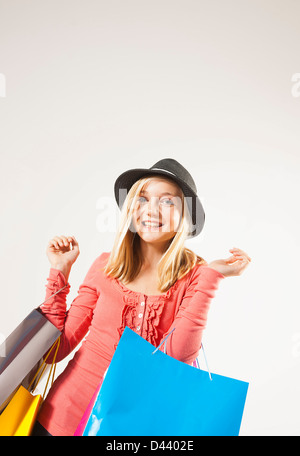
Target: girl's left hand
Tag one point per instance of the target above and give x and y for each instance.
(232, 266)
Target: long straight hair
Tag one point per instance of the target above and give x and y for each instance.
(125, 260)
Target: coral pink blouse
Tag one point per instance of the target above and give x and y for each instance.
(103, 308)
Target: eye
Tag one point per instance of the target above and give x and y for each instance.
(168, 202)
(141, 199)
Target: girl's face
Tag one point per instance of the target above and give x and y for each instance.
(158, 210)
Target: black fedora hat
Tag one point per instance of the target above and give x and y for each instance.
(172, 169)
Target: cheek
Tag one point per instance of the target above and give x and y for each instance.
(172, 217)
(177, 219)
(137, 214)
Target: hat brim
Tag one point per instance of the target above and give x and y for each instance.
(128, 178)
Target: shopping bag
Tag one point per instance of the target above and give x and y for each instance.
(148, 393)
(86, 415)
(19, 416)
(22, 350)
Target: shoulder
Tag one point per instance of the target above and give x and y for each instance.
(99, 262)
(103, 258)
(195, 273)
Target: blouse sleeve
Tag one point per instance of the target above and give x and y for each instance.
(190, 321)
(73, 323)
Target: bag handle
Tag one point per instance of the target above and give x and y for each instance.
(196, 360)
(51, 296)
(43, 366)
(163, 342)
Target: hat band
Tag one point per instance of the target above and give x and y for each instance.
(164, 170)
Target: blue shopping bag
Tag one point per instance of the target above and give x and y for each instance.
(146, 392)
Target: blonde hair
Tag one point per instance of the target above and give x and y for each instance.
(125, 260)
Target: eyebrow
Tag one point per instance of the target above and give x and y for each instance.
(162, 194)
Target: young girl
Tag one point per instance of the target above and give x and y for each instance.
(149, 282)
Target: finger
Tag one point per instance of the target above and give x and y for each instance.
(242, 266)
(58, 243)
(236, 250)
(62, 241)
(231, 259)
(239, 251)
(53, 243)
(240, 261)
(244, 257)
(72, 241)
(65, 241)
(59, 240)
(239, 256)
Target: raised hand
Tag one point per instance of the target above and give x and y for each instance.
(62, 252)
(232, 266)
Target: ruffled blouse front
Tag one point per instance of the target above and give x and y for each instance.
(99, 314)
(141, 312)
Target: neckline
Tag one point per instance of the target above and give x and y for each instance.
(128, 290)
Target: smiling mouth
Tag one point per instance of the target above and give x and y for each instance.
(152, 225)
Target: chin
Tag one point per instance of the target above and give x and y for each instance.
(155, 236)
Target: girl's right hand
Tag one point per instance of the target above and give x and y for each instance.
(62, 251)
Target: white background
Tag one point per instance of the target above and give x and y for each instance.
(94, 88)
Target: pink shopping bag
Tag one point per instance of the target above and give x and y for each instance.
(86, 415)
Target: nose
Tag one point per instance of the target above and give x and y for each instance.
(153, 207)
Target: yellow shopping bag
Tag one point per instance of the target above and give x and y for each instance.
(19, 416)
